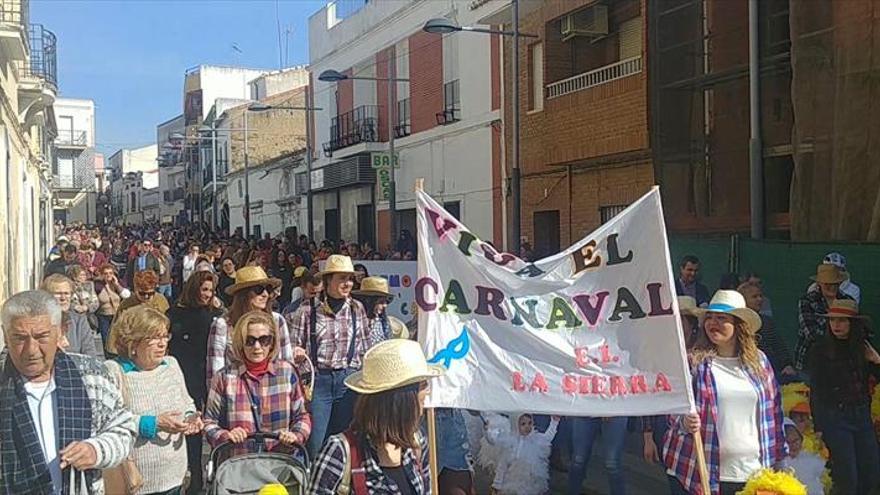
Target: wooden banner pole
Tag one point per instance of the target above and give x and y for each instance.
(701, 462)
(432, 451)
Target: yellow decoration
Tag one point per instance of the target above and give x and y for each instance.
(875, 404)
(814, 444)
(767, 482)
(273, 489)
(794, 394)
(826, 481)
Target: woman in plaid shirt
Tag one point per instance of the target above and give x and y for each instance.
(739, 408)
(256, 392)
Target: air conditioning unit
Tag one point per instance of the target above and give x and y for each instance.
(591, 22)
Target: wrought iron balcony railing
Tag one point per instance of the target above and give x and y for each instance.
(360, 125)
(44, 56)
(70, 137)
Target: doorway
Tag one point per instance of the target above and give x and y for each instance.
(546, 228)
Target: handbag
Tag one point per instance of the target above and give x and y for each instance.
(124, 479)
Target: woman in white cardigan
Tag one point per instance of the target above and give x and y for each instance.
(153, 389)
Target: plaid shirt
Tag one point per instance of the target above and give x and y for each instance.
(278, 397)
(333, 333)
(329, 468)
(220, 345)
(811, 325)
(679, 456)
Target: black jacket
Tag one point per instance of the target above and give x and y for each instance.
(189, 344)
(152, 264)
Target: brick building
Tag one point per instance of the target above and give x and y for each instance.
(446, 118)
(585, 147)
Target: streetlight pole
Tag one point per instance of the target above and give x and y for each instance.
(214, 176)
(446, 26)
(247, 184)
(336, 76)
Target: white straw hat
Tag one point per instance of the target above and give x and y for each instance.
(392, 364)
(733, 303)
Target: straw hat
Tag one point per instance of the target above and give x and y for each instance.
(687, 305)
(374, 286)
(392, 364)
(733, 303)
(844, 308)
(337, 263)
(251, 276)
(398, 328)
(829, 274)
(299, 271)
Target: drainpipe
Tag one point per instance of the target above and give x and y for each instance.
(756, 164)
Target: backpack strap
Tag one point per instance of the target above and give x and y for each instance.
(313, 338)
(354, 476)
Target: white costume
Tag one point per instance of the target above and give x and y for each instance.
(522, 462)
(808, 469)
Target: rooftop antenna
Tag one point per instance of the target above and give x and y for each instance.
(234, 47)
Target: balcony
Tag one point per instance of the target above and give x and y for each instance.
(14, 29)
(44, 56)
(72, 138)
(360, 125)
(596, 77)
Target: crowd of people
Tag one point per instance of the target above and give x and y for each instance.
(210, 339)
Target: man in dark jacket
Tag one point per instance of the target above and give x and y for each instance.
(59, 266)
(145, 260)
(687, 285)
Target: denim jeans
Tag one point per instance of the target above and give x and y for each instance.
(849, 435)
(332, 407)
(165, 290)
(583, 433)
(104, 322)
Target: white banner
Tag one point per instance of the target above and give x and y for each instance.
(401, 276)
(591, 331)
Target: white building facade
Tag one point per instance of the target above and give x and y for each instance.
(446, 119)
(75, 163)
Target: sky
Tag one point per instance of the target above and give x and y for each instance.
(129, 56)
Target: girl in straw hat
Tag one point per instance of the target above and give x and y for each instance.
(375, 295)
(384, 450)
(839, 365)
(333, 332)
(739, 411)
(250, 292)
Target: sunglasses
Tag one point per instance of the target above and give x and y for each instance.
(264, 340)
(260, 289)
(147, 294)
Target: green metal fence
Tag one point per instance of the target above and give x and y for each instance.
(784, 266)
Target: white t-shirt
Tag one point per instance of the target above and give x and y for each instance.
(738, 439)
(41, 401)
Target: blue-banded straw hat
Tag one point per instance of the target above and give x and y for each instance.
(733, 303)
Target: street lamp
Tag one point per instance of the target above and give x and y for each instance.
(262, 107)
(331, 75)
(446, 26)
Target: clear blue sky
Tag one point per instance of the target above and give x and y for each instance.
(129, 56)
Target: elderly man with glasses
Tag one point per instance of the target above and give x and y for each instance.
(41, 385)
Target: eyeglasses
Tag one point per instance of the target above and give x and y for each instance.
(147, 294)
(161, 338)
(264, 340)
(260, 289)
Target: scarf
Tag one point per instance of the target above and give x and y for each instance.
(23, 463)
(257, 370)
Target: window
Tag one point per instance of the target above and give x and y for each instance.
(778, 171)
(133, 205)
(454, 209)
(451, 93)
(404, 119)
(536, 73)
(546, 228)
(451, 104)
(606, 213)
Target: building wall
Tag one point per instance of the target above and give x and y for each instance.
(82, 114)
(585, 150)
(141, 159)
(278, 82)
(219, 82)
(273, 208)
(25, 201)
(455, 160)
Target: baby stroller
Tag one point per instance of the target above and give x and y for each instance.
(230, 472)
